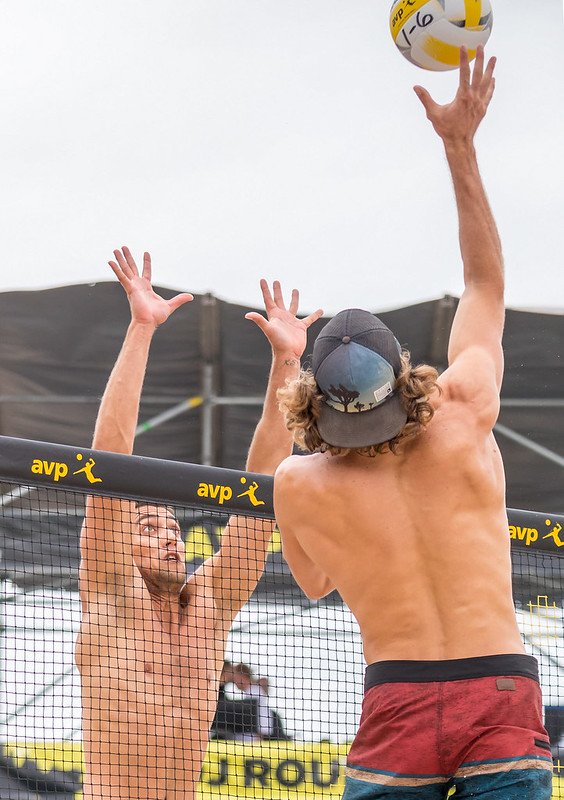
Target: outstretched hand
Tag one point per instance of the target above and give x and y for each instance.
(458, 121)
(147, 307)
(285, 332)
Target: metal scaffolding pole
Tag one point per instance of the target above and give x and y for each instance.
(544, 452)
(175, 411)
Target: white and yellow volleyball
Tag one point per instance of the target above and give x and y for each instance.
(430, 33)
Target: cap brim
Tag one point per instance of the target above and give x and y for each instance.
(363, 428)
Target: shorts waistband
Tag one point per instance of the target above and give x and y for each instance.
(455, 669)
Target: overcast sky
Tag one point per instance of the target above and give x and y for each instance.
(236, 139)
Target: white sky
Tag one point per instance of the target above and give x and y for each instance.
(236, 139)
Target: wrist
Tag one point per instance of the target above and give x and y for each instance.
(142, 328)
(459, 148)
(286, 358)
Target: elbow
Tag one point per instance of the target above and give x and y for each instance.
(318, 590)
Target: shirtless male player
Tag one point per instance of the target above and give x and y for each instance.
(401, 508)
(151, 644)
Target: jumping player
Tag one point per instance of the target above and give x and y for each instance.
(151, 643)
(401, 507)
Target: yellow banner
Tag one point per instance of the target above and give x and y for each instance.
(273, 770)
(257, 771)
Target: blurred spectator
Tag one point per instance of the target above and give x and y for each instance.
(225, 678)
(234, 719)
(268, 722)
(250, 718)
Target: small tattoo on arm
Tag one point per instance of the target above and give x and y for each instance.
(290, 362)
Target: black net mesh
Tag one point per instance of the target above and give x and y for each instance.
(287, 707)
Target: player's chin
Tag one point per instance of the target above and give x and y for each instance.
(170, 578)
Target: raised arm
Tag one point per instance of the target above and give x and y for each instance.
(238, 565)
(105, 533)
(475, 354)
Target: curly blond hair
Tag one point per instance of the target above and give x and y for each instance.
(300, 402)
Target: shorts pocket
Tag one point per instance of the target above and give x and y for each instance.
(543, 744)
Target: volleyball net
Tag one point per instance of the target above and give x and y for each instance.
(287, 707)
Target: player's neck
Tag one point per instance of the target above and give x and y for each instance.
(165, 597)
(166, 608)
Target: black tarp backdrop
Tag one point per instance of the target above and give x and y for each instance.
(64, 342)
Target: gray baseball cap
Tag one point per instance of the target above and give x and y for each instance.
(356, 361)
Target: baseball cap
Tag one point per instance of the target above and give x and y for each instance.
(355, 362)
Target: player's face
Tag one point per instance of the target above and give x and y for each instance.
(158, 549)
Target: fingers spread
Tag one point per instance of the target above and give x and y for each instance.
(490, 90)
(425, 98)
(258, 319)
(125, 267)
(294, 302)
(311, 318)
(130, 260)
(147, 266)
(488, 75)
(277, 291)
(478, 73)
(179, 300)
(266, 296)
(118, 272)
(464, 69)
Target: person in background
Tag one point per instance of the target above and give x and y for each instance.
(255, 689)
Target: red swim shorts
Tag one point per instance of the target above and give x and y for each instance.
(474, 724)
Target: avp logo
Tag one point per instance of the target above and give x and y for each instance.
(250, 492)
(58, 469)
(215, 491)
(554, 533)
(530, 535)
(222, 494)
(527, 535)
(404, 10)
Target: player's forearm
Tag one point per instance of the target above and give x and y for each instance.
(480, 244)
(119, 409)
(272, 442)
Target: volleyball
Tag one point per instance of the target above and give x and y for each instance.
(430, 33)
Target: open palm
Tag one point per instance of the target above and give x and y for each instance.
(459, 119)
(285, 332)
(147, 307)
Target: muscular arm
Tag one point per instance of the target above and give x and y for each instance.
(105, 536)
(479, 320)
(475, 354)
(117, 417)
(238, 565)
(105, 549)
(272, 441)
(311, 579)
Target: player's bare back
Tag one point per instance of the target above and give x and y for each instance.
(439, 587)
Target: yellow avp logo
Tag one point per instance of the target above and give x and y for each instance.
(59, 469)
(403, 11)
(222, 494)
(554, 534)
(530, 535)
